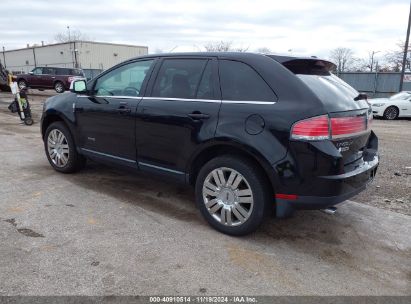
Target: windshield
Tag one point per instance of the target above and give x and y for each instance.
(401, 95)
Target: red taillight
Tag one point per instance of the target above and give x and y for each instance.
(315, 128)
(342, 126)
(323, 127)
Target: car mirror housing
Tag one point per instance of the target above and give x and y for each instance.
(79, 86)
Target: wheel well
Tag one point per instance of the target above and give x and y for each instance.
(48, 120)
(220, 150)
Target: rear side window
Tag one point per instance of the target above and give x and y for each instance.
(62, 71)
(179, 78)
(241, 82)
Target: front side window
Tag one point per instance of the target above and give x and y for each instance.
(125, 80)
(179, 78)
(241, 82)
(38, 71)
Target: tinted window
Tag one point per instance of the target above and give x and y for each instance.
(123, 81)
(62, 71)
(37, 71)
(49, 71)
(205, 89)
(240, 82)
(179, 78)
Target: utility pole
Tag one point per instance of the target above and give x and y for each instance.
(404, 59)
(372, 59)
(4, 57)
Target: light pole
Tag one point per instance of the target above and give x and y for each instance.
(4, 57)
(404, 58)
(372, 59)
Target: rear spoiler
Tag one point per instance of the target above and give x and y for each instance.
(305, 65)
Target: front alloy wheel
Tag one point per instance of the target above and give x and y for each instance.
(58, 148)
(61, 150)
(391, 113)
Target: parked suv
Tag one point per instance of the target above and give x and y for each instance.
(58, 79)
(252, 133)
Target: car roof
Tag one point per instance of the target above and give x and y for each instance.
(233, 55)
(58, 67)
(279, 58)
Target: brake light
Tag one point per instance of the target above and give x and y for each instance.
(323, 127)
(315, 128)
(341, 126)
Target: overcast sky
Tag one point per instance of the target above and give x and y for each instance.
(305, 27)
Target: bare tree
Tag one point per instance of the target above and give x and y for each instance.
(218, 46)
(343, 58)
(394, 58)
(241, 49)
(264, 50)
(72, 35)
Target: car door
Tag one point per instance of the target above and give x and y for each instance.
(34, 78)
(106, 117)
(47, 78)
(179, 113)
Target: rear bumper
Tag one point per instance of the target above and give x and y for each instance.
(346, 185)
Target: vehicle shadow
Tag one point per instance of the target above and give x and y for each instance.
(177, 201)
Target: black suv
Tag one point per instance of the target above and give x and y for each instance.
(250, 132)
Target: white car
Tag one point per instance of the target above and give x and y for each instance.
(398, 105)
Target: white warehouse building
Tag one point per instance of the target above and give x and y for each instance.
(93, 57)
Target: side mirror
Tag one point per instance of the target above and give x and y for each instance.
(78, 86)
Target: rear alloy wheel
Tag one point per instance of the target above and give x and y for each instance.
(59, 87)
(22, 84)
(391, 113)
(232, 195)
(60, 149)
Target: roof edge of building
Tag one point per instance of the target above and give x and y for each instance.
(75, 41)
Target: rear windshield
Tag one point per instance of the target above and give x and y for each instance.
(330, 89)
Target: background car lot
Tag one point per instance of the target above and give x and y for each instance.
(85, 234)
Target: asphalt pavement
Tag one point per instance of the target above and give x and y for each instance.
(104, 231)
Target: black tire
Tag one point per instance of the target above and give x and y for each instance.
(22, 84)
(75, 161)
(261, 193)
(28, 121)
(59, 87)
(391, 113)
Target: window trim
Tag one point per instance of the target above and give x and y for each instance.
(243, 101)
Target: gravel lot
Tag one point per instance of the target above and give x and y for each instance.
(104, 232)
